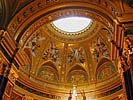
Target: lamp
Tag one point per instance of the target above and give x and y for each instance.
(73, 95)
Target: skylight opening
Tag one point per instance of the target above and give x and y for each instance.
(72, 24)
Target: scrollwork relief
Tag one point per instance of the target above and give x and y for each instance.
(77, 77)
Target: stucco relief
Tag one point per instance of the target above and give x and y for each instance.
(29, 10)
(77, 77)
(34, 43)
(52, 53)
(76, 55)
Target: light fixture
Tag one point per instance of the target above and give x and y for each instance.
(73, 95)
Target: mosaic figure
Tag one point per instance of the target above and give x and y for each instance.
(77, 77)
(33, 43)
(47, 75)
(76, 54)
(100, 49)
(52, 53)
(108, 70)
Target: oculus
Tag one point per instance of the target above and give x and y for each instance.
(72, 24)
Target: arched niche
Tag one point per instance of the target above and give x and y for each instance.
(105, 69)
(48, 72)
(77, 75)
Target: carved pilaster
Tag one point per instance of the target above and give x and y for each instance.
(7, 78)
(128, 53)
(4, 72)
(4, 69)
(126, 67)
(10, 84)
(125, 52)
(121, 69)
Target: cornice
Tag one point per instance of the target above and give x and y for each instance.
(105, 91)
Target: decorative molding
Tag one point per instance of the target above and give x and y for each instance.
(108, 92)
(75, 12)
(50, 96)
(13, 76)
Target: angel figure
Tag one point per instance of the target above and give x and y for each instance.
(33, 45)
(52, 53)
(76, 54)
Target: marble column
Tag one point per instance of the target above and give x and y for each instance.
(126, 66)
(10, 84)
(4, 72)
(6, 63)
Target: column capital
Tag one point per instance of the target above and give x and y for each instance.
(13, 75)
(126, 54)
(124, 64)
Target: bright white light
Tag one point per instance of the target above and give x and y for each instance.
(72, 24)
(74, 95)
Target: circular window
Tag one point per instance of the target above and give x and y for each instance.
(72, 24)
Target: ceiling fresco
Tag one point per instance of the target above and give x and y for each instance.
(58, 61)
(75, 55)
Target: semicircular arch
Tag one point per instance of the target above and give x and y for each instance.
(47, 16)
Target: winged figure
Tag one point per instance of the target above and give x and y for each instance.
(33, 43)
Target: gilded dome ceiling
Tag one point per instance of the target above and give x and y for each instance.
(51, 59)
(58, 57)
